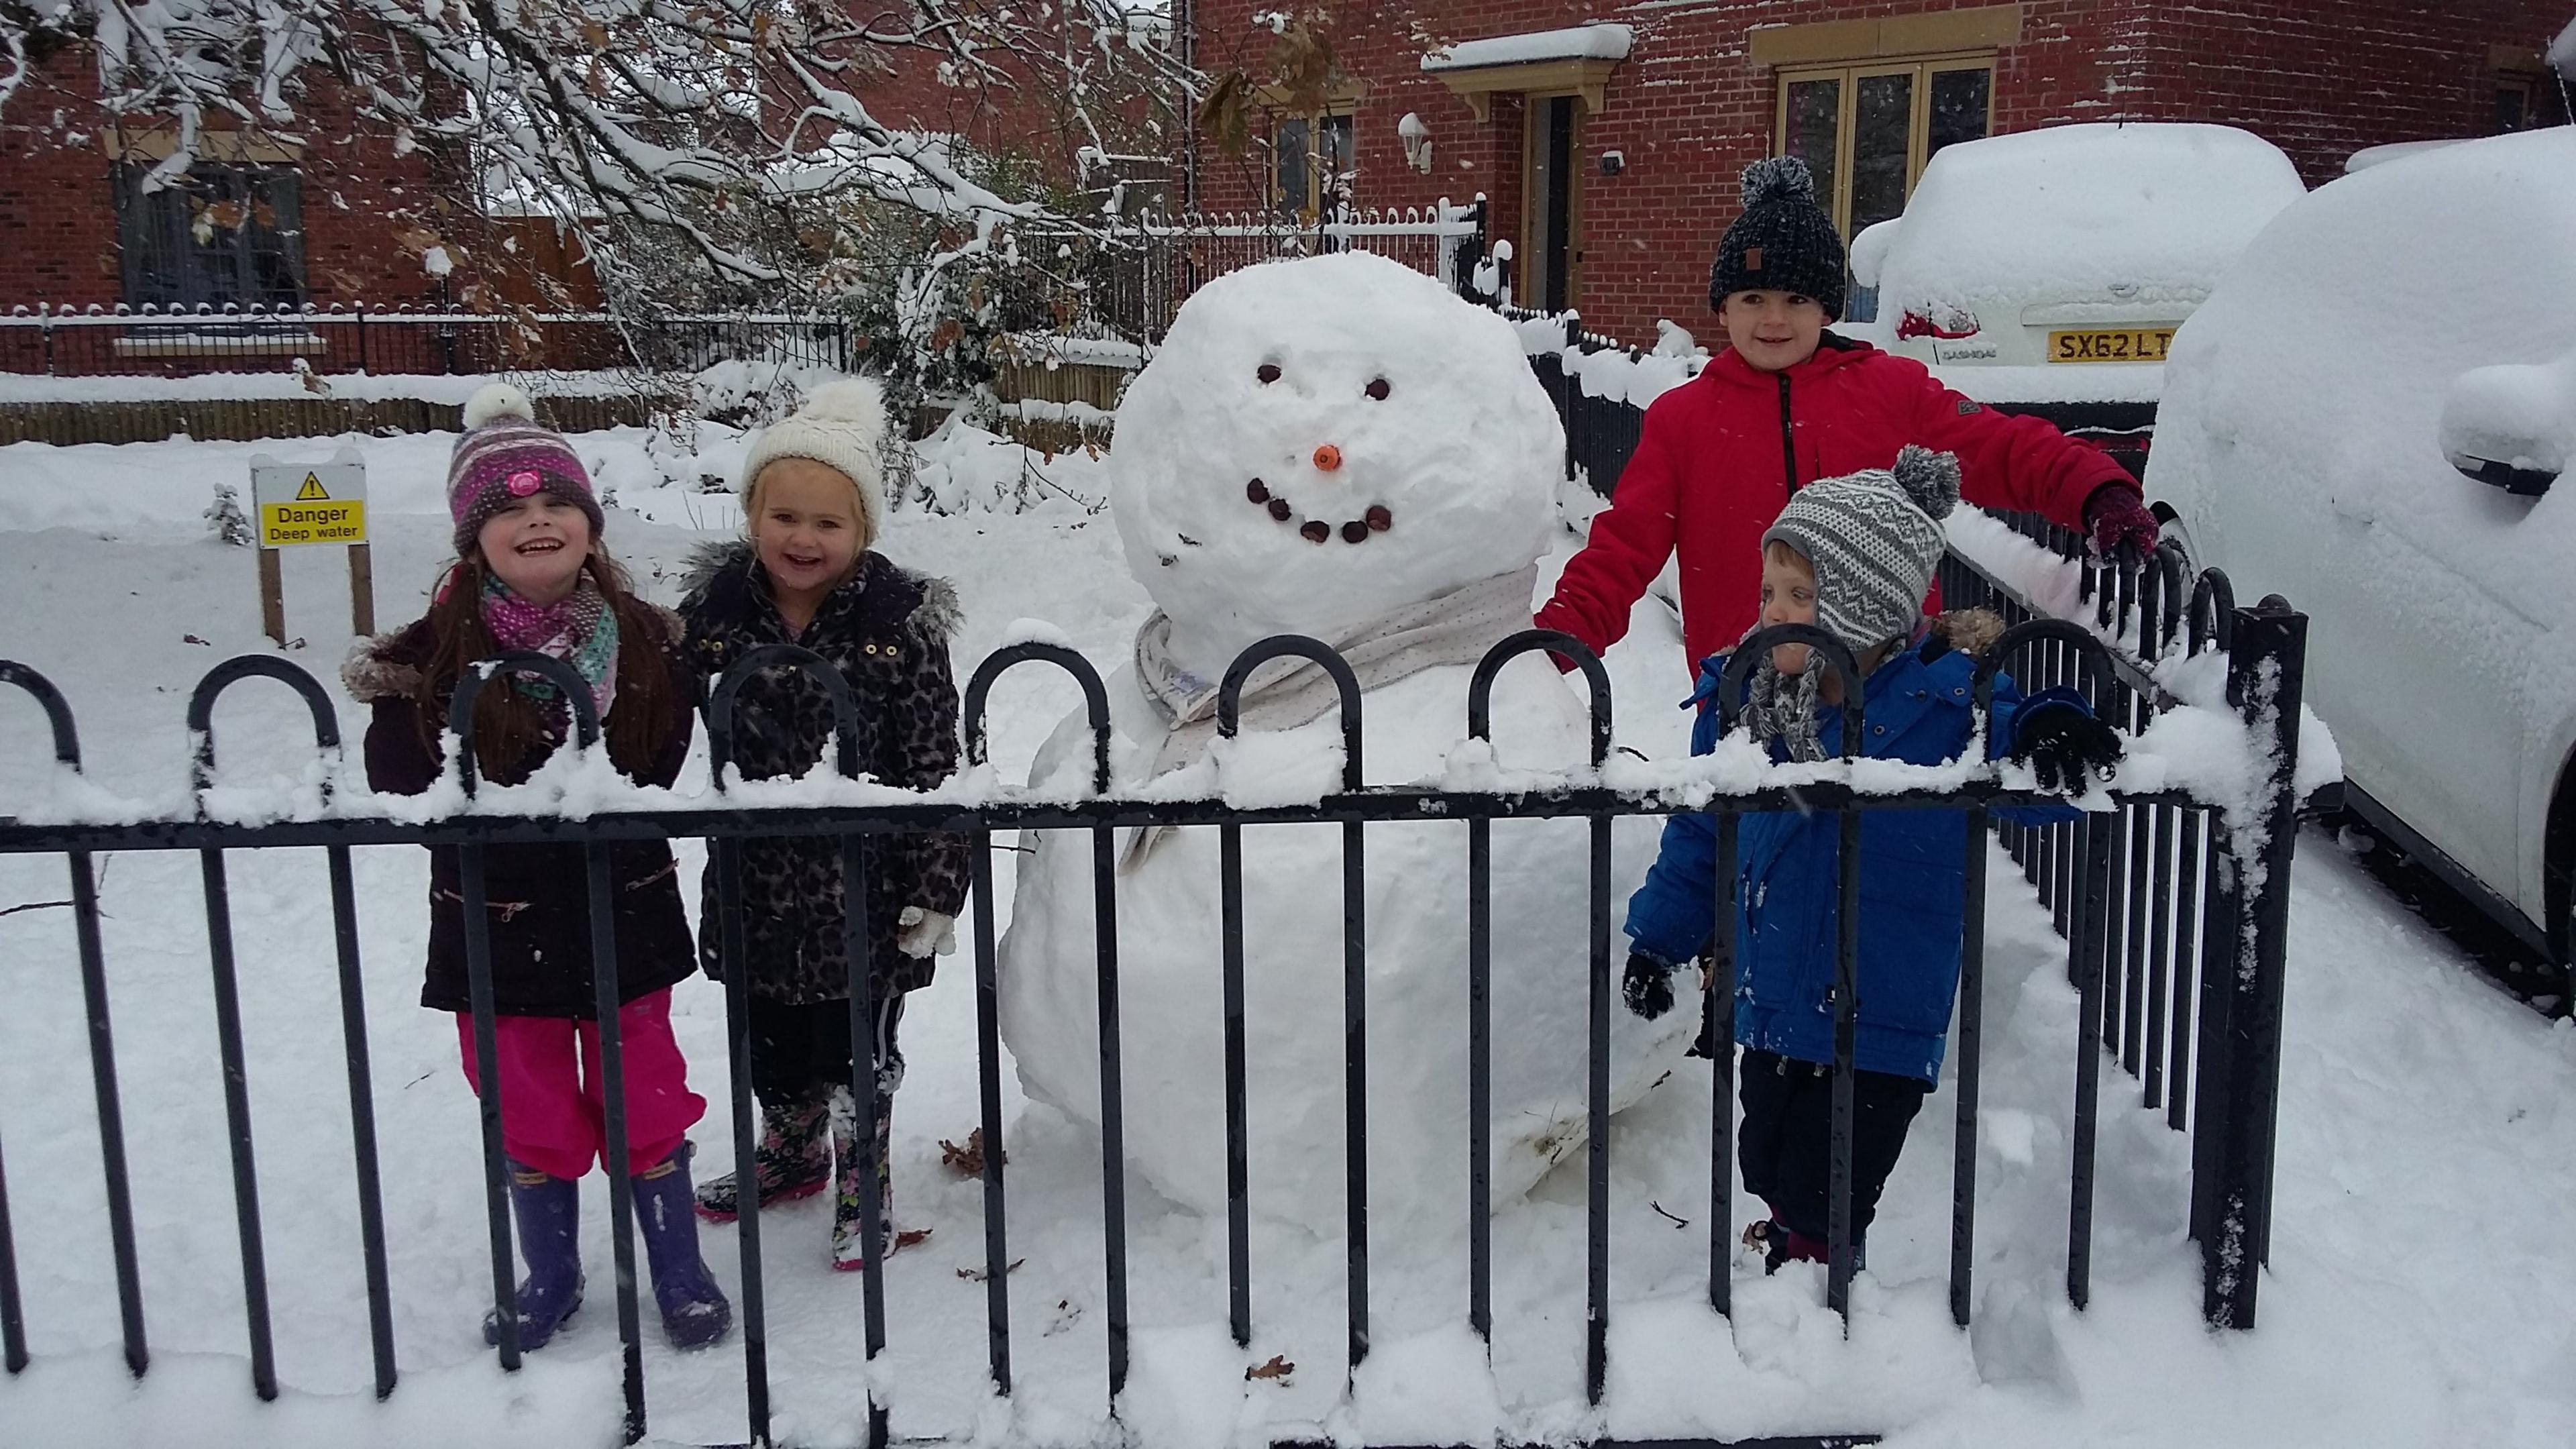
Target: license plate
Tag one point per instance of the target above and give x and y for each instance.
(2115, 344)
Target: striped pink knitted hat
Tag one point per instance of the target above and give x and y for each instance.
(504, 453)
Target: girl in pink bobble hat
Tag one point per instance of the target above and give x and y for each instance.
(532, 574)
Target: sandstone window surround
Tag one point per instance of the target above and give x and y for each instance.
(1867, 103)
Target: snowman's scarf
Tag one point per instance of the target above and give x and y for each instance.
(1455, 628)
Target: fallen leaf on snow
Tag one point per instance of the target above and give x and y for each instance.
(1277, 1368)
(966, 1159)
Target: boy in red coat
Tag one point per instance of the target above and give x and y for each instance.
(1789, 403)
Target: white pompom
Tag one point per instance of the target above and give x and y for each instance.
(846, 399)
(498, 400)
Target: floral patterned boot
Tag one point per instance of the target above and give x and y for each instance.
(794, 1160)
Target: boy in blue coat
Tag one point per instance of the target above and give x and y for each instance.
(1853, 556)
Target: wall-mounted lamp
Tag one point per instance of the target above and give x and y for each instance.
(1613, 162)
(1417, 142)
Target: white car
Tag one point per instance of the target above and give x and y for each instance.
(2372, 416)
(2070, 244)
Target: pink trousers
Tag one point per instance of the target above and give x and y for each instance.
(553, 1113)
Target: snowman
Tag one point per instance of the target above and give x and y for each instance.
(1335, 447)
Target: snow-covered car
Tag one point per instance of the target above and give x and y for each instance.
(2372, 416)
(2071, 244)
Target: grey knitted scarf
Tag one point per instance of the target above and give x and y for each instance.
(1783, 707)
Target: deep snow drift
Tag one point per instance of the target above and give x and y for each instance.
(2416, 1295)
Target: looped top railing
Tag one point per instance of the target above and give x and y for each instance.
(201, 710)
(470, 686)
(720, 705)
(1095, 700)
(1229, 692)
(1480, 687)
(2088, 647)
(2213, 611)
(1733, 684)
(58, 711)
(2160, 599)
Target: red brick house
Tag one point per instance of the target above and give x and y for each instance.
(340, 216)
(1608, 136)
(255, 220)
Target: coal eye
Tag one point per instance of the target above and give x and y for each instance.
(1269, 372)
(1378, 389)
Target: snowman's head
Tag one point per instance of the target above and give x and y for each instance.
(1319, 442)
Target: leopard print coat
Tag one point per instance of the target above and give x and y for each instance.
(887, 632)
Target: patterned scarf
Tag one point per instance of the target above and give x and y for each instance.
(1783, 707)
(579, 629)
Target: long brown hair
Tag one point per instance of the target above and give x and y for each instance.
(511, 730)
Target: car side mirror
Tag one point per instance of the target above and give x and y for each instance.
(2520, 482)
(2512, 426)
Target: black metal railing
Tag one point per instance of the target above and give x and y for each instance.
(1600, 432)
(1131, 275)
(422, 339)
(2173, 907)
(1128, 275)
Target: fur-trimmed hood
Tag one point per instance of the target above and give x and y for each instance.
(1968, 631)
(723, 576)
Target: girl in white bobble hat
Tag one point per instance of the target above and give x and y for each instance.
(805, 573)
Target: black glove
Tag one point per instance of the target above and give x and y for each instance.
(1648, 986)
(2062, 742)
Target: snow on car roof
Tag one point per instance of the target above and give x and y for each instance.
(2369, 156)
(2098, 210)
(2320, 367)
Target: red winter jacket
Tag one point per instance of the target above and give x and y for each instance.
(1719, 456)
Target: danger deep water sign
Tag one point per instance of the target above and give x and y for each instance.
(310, 502)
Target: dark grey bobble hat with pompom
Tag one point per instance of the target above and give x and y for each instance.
(1874, 537)
(1784, 241)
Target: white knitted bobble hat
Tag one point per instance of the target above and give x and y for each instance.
(841, 426)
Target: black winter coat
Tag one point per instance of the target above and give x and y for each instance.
(539, 895)
(887, 631)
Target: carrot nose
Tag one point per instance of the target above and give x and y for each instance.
(1328, 457)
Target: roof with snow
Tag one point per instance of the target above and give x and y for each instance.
(1579, 42)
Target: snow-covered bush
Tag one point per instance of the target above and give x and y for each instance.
(225, 519)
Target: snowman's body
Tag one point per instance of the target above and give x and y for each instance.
(1408, 423)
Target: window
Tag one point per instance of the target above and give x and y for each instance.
(2524, 101)
(1309, 158)
(215, 235)
(1866, 131)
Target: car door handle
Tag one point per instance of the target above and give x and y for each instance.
(2352, 512)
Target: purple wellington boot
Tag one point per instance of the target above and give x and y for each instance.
(549, 1213)
(694, 1310)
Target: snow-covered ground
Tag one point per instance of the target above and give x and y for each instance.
(2428, 1129)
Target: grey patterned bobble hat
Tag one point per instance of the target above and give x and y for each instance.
(1874, 538)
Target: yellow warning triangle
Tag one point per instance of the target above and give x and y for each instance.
(312, 491)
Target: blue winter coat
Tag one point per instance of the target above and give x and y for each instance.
(1917, 707)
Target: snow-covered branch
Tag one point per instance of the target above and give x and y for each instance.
(735, 125)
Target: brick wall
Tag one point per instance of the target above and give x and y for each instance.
(1689, 108)
(2323, 81)
(58, 225)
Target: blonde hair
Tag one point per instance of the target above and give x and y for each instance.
(860, 513)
